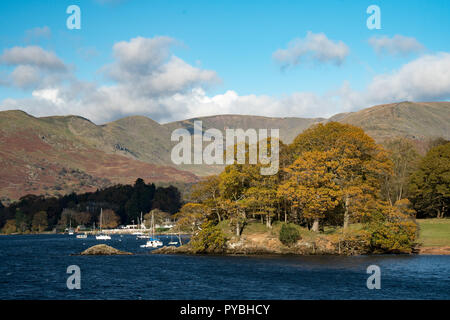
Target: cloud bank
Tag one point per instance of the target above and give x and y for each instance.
(148, 79)
(314, 47)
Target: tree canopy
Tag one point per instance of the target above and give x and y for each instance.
(332, 174)
(430, 183)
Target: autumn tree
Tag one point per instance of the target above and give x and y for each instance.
(261, 200)
(311, 186)
(109, 219)
(9, 227)
(430, 183)
(207, 192)
(191, 216)
(81, 218)
(234, 181)
(362, 163)
(405, 158)
(159, 217)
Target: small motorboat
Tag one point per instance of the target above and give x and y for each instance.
(82, 236)
(152, 243)
(103, 237)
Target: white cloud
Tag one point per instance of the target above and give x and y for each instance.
(34, 67)
(25, 76)
(316, 47)
(147, 67)
(150, 81)
(50, 95)
(398, 45)
(426, 78)
(32, 56)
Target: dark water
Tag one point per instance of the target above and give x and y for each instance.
(34, 267)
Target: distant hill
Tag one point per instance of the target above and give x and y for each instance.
(412, 120)
(289, 129)
(60, 154)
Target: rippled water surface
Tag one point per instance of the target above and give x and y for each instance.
(34, 267)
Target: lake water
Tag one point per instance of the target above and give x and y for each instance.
(34, 267)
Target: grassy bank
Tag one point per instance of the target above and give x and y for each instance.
(434, 232)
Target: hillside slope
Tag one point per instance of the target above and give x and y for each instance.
(60, 154)
(412, 120)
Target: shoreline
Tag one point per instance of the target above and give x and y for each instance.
(90, 233)
(255, 251)
(435, 251)
(252, 251)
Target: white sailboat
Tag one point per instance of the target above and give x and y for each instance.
(142, 235)
(70, 230)
(152, 242)
(139, 234)
(102, 236)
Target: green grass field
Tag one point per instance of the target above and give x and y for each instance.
(434, 232)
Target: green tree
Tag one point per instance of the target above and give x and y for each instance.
(391, 231)
(22, 221)
(289, 234)
(210, 239)
(430, 183)
(167, 199)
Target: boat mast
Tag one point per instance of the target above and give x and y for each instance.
(153, 226)
(101, 218)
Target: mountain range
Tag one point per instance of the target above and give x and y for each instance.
(61, 154)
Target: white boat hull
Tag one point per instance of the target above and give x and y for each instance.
(152, 244)
(103, 237)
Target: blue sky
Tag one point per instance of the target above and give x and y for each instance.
(235, 40)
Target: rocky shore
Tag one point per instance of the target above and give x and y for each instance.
(264, 244)
(103, 250)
